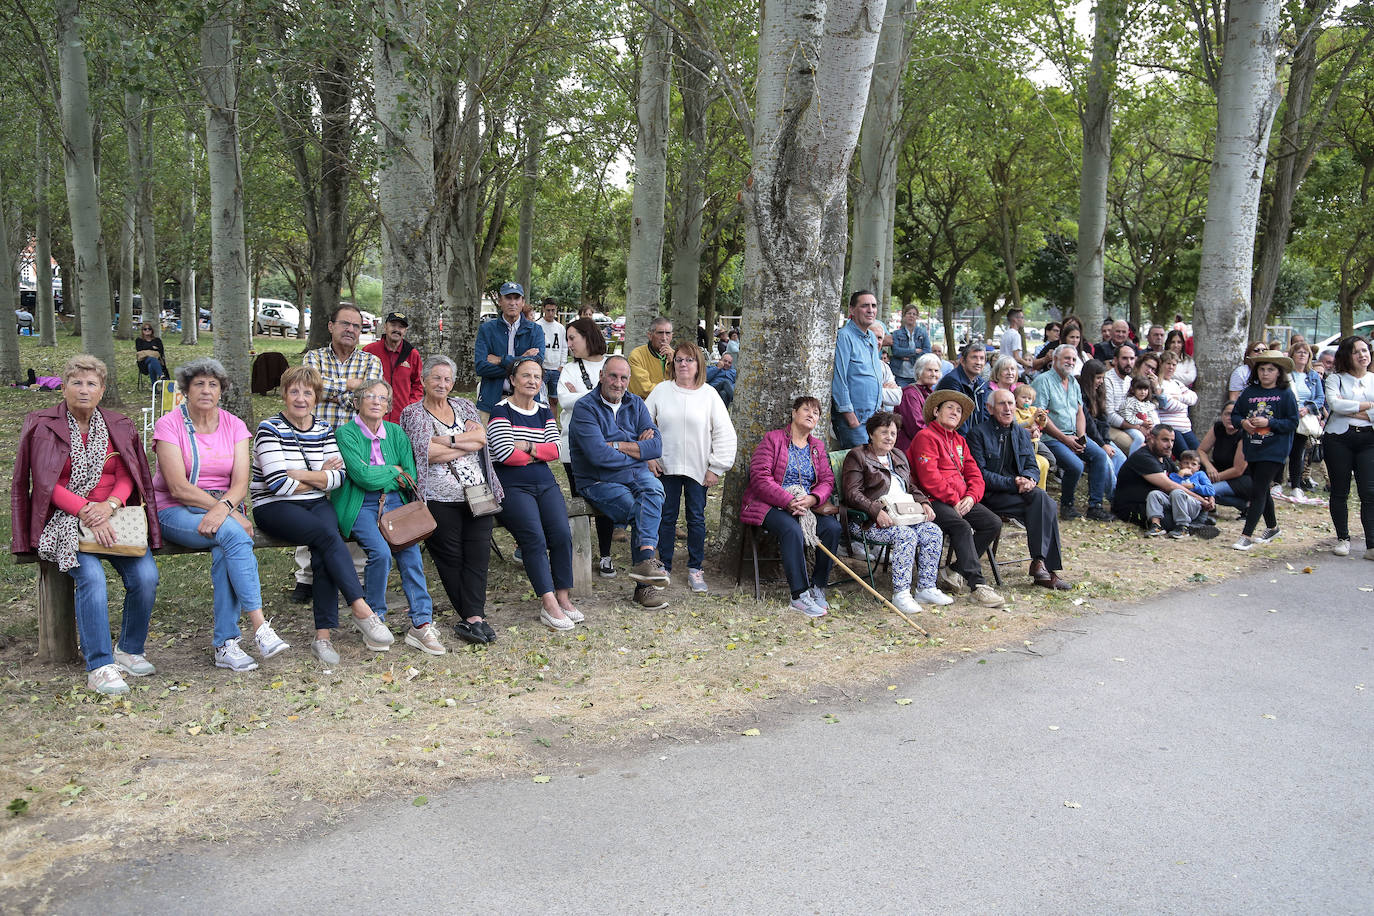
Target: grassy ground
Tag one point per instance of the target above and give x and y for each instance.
(197, 753)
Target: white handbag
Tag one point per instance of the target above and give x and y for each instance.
(903, 510)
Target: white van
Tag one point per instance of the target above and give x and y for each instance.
(277, 315)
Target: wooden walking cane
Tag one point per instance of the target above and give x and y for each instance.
(870, 589)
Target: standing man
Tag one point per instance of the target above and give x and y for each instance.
(1146, 495)
(1010, 345)
(1004, 454)
(401, 364)
(652, 362)
(499, 342)
(856, 382)
(555, 351)
(909, 343)
(345, 369)
(1126, 434)
(614, 442)
(967, 377)
(1065, 436)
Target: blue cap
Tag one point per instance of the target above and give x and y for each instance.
(508, 288)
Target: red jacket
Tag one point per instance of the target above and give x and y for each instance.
(45, 445)
(403, 372)
(943, 465)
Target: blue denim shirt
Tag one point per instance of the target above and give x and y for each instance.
(856, 382)
(907, 346)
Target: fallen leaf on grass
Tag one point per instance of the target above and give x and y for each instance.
(751, 733)
(1307, 569)
(420, 801)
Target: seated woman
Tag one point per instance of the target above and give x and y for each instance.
(152, 358)
(1176, 343)
(203, 469)
(946, 471)
(378, 462)
(523, 437)
(789, 476)
(581, 374)
(450, 447)
(914, 397)
(1223, 460)
(63, 478)
(698, 447)
(296, 462)
(1005, 375)
(873, 471)
(1095, 426)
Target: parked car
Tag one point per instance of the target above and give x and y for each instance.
(28, 299)
(1362, 329)
(369, 321)
(618, 329)
(276, 315)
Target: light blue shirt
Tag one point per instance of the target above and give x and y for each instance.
(1061, 402)
(856, 382)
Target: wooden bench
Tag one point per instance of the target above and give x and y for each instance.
(57, 598)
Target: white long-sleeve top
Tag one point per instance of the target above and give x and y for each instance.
(1117, 390)
(1178, 397)
(1344, 393)
(697, 433)
(571, 387)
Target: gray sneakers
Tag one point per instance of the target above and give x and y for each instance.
(323, 649)
(375, 634)
(136, 665)
(232, 657)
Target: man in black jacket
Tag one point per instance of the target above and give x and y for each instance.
(1006, 457)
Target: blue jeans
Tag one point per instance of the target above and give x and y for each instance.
(156, 371)
(846, 437)
(233, 568)
(93, 609)
(674, 487)
(1117, 458)
(1072, 465)
(379, 557)
(638, 503)
(551, 377)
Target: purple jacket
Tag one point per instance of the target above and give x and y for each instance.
(766, 470)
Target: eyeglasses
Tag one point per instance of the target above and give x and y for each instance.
(376, 397)
(685, 359)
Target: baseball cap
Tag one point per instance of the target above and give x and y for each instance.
(509, 288)
(398, 317)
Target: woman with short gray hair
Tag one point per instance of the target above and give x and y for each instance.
(204, 466)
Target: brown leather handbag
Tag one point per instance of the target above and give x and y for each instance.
(406, 525)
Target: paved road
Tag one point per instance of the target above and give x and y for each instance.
(1154, 722)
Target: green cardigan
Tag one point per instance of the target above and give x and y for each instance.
(361, 476)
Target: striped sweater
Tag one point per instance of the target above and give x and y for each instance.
(509, 423)
(279, 447)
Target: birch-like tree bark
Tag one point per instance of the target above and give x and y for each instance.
(880, 145)
(535, 129)
(42, 243)
(1247, 99)
(405, 183)
(644, 264)
(694, 67)
(128, 229)
(1095, 116)
(190, 307)
(815, 63)
(83, 195)
(228, 252)
(142, 137)
(11, 234)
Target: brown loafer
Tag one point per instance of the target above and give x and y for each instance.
(1054, 583)
(1039, 573)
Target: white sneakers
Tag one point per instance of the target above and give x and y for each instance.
(1342, 548)
(805, 605)
(105, 680)
(232, 657)
(136, 665)
(1243, 544)
(268, 642)
(933, 595)
(426, 639)
(905, 603)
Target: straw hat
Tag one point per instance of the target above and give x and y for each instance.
(940, 396)
(1277, 357)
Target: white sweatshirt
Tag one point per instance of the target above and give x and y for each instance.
(697, 433)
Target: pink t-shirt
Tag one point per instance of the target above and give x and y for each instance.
(216, 452)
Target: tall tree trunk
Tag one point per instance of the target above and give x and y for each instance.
(1247, 98)
(405, 187)
(815, 63)
(83, 195)
(42, 244)
(127, 236)
(694, 67)
(535, 129)
(228, 252)
(644, 264)
(12, 236)
(190, 306)
(142, 136)
(1095, 116)
(880, 144)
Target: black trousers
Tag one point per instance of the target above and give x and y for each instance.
(314, 524)
(1040, 512)
(1347, 453)
(970, 534)
(461, 549)
(1297, 460)
(1264, 474)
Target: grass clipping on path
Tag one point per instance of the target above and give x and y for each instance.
(197, 752)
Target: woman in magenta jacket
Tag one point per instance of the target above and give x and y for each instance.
(792, 457)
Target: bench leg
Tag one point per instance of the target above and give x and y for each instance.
(582, 554)
(56, 615)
